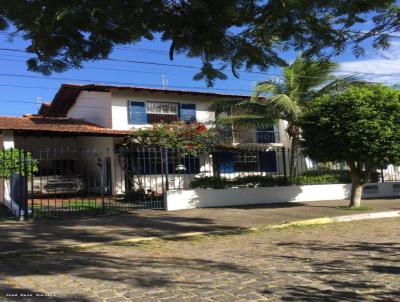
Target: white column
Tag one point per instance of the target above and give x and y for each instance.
(7, 139)
(283, 135)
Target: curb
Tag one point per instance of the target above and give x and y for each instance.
(308, 222)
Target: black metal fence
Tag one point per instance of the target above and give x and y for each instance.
(53, 182)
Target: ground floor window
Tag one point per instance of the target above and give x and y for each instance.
(245, 162)
(231, 161)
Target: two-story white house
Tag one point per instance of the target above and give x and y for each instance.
(83, 120)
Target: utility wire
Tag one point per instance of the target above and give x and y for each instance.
(158, 73)
(127, 70)
(198, 67)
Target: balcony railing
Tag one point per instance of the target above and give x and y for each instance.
(250, 136)
(266, 137)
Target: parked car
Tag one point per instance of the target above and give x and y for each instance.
(57, 184)
(55, 178)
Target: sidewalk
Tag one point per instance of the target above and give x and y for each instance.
(72, 231)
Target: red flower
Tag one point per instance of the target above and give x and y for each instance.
(201, 128)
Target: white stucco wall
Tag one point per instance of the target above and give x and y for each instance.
(110, 109)
(7, 139)
(93, 106)
(202, 198)
(120, 106)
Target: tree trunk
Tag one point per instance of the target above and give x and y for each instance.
(293, 159)
(356, 191)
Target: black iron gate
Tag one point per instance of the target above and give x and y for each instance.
(58, 182)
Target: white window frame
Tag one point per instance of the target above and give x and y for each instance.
(163, 108)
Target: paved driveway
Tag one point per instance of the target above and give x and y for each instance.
(57, 232)
(355, 261)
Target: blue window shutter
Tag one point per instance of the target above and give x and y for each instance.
(188, 112)
(137, 113)
(226, 162)
(267, 161)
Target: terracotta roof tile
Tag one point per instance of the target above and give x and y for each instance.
(40, 123)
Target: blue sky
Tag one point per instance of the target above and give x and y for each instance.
(16, 98)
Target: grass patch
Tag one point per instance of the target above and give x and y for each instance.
(73, 204)
(361, 208)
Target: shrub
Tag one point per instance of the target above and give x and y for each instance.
(134, 196)
(210, 182)
(312, 177)
(12, 161)
(253, 181)
(323, 177)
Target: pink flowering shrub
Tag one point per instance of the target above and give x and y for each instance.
(188, 138)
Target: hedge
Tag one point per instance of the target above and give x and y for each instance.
(306, 178)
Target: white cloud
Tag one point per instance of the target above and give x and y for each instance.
(384, 67)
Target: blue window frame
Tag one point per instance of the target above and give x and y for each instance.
(188, 112)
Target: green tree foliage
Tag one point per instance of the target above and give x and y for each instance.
(187, 138)
(16, 161)
(239, 33)
(360, 127)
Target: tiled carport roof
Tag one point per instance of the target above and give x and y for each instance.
(42, 124)
(67, 94)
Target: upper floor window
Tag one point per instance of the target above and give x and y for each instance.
(162, 108)
(140, 113)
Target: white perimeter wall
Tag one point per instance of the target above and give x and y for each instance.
(202, 198)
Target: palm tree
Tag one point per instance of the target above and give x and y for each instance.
(284, 98)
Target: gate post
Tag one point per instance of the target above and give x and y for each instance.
(102, 184)
(285, 179)
(165, 164)
(164, 171)
(31, 166)
(25, 195)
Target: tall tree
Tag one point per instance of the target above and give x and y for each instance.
(241, 33)
(284, 98)
(360, 127)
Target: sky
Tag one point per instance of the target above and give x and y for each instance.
(23, 91)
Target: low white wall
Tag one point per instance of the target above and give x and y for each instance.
(202, 198)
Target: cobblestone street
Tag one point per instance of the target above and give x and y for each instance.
(340, 262)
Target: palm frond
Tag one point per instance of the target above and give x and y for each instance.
(305, 75)
(282, 103)
(241, 107)
(339, 84)
(266, 88)
(225, 105)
